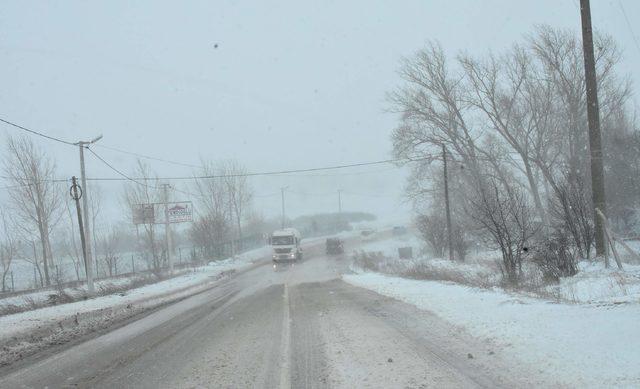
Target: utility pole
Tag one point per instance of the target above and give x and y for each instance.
(446, 202)
(340, 201)
(167, 226)
(75, 195)
(595, 140)
(85, 203)
(282, 195)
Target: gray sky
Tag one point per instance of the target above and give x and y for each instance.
(292, 84)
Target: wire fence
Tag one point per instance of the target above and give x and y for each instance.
(25, 276)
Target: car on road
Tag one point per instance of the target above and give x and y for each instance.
(334, 246)
(399, 230)
(285, 245)
(367, 234)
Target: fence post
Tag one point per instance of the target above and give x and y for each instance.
(13, 286)
(133, 265)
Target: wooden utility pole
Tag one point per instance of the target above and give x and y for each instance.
(76, 195)
(595, 140)
(85, 204)
(446, 202)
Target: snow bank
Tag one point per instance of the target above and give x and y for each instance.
(12, 325)
(572, 345)
(595, 284)
(592, 284)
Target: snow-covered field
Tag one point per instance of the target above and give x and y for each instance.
(587, 336)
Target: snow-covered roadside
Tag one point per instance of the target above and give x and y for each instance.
(567, 344)
(25, 332)
(593, 284)
(40, 299)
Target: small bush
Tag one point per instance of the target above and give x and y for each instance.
(554, 259)
(369, 260)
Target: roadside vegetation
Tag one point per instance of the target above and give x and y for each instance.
(513, 126)
(591, 283)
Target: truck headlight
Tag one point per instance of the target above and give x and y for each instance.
(292, 255)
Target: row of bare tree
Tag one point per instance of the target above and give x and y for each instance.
(222, 199)
(515, 128)
(39, 220)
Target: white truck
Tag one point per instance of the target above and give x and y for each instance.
(286, 245)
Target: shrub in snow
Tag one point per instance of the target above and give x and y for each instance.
(554, 259)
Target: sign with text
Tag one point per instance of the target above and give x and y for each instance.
(180, 212)
(143, 214)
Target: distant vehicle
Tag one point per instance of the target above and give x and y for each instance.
(334, 246)
(367, 234)
(399, 230)
(286, 245)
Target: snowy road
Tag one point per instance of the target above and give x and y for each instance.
(292, 326)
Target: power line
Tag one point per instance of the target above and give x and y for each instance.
(624, 12)
(37, 133)
(148, 157)
(268, 173)
(266, 195)
(368, 194)
(119, 172)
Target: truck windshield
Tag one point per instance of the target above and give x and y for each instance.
(281, 240)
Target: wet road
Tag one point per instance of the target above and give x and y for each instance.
(289, 326)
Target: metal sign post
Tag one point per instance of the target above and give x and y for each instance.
(174, 212)
(167, 227)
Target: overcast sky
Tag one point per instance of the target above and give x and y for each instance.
(291, 84)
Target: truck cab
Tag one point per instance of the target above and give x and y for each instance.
(285, 245)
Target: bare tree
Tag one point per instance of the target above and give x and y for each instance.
(433, 108)
(506, 218)
(110, 243)
(560, 61)
(517, 121)
(498, 89)
(8, 250)
(35, 197)
(95, 206)
(213, 226)
(572, 211)
(432, 232)
(238, 191)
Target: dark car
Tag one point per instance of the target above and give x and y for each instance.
(334, 246)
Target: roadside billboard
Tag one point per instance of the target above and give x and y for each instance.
(143, 214)
(180, 212)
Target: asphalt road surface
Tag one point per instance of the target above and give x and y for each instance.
(289, 326)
